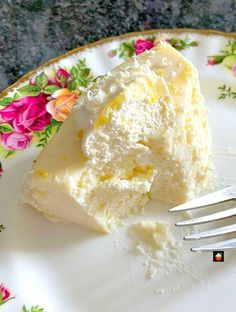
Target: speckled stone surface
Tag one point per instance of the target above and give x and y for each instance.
(33, 31)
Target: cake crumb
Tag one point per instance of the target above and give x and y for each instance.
(161, 252)
(159, 291)
(176, 287)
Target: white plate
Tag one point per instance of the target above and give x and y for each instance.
(67, 268)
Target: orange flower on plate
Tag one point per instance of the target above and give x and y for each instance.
(61, 103)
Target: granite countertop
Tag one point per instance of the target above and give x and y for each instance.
(33, 31)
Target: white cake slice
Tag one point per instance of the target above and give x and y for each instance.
(142, 132)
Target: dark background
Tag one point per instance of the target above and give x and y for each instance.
(32, 32)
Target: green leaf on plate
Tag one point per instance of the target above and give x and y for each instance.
(50, 89)
(219, 58)
(74, 73)
(9, 153)
(82, 63)
(113, 52)
(6, 128)
(231, 46)
(82, 82)
(44, 136)
(229, 61)
(16, 96)
(30, 90)
(55, 122)
(226, 92)
(72, 85)
(182, 44)
(6, 101)
(126, 49)
(41, 80)
(84, 72)
(63, 80)
(32, 309)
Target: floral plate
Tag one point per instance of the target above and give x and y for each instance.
(58, 267)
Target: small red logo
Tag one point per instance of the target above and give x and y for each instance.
(218, 256)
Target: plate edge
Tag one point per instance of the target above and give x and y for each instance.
(29, 74)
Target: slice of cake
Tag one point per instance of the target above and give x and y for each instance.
(139, 133)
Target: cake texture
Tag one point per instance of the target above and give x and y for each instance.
(161, 251)
(140, 132)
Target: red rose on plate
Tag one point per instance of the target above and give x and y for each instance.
(15, 141)
(27, 114)
(143, 45)
(5, 294)
(59, 78)
(62, 72)
(211, 60)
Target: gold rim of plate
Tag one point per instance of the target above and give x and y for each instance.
(113, 38)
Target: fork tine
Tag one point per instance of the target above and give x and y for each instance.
(212, 233)
(209, 199)
(225, 245)
(212, 217)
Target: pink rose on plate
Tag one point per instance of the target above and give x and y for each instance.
(234, 69)
(111, 53)
(5, 294)
(62, 72)
(15, 141)
(211, 60)
(27, 114)
(59, 78)
(143, 45)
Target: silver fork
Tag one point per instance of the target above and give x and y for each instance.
(220, 196)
